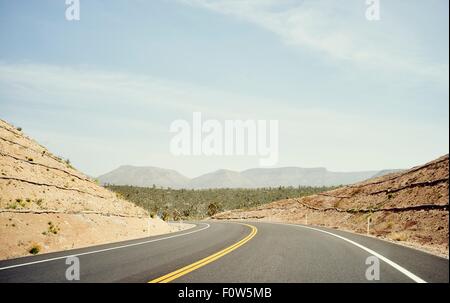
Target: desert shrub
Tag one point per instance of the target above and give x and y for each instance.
(12, 205)
(212, 209)
(193, 204)
(176, 215)
(52, 228)
(165, 216)
(34, 249)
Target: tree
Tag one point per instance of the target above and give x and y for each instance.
(212, 209)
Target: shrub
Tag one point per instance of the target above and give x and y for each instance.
(165, 216)
(53, 228)
(68, 164)
(34, 249)
(212, 209)
(192, 203)
(176, 215)
(11, 206)
(19, 202)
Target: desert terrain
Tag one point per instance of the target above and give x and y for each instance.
(408, 207)
(47, 205)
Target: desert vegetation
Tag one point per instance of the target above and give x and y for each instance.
(178, 204)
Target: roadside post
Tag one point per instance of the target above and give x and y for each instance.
(369, 220)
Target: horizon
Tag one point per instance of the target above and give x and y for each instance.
(240, 171)
(349, 94)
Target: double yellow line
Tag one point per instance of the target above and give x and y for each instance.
(189, 268)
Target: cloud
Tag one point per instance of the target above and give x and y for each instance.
(335, 29)
(125, 118)
(85, 88)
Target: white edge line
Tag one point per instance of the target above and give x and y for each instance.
(105, 249)
(391, 263)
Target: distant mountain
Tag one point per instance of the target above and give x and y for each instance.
(144, 177)
(295, 176)
(221, 179)
(251, 178)
(386, 172)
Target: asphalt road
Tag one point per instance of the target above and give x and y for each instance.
(233, 252)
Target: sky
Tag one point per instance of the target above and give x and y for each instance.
(349, 94)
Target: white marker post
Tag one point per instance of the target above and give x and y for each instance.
(369, 219)
(306, 219)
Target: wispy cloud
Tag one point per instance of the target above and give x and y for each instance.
(334, 29)
(125, 118)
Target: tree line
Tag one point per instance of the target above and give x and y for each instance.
(176, 204)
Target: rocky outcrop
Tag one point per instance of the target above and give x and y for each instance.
(47, 204)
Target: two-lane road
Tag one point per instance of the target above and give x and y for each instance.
(235, 252)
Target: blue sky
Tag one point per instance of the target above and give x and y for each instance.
(349, 94)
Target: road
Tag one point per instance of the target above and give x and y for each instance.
(235, 252)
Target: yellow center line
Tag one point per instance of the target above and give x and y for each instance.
(191, 267)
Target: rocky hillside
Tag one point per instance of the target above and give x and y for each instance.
(47, 205)
(409, 206)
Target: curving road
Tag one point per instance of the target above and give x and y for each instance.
(235, 252)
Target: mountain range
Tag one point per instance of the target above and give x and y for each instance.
(251, 178)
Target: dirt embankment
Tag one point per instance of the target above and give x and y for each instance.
(410, 207)
(48, 205)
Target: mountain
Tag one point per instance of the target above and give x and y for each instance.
(144, 177)
(295, 176)
(221, 179)
(410, 206)
(47, 205)
(251, 178)
(386, 172)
